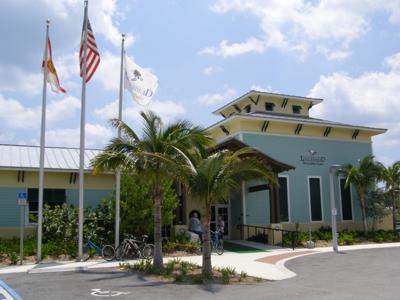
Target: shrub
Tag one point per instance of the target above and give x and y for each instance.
(13, 258)
(259, 238)
(144, 265)
(345, 238)
(226, 273)
(323, 233)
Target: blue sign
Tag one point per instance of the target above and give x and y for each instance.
(22, 197)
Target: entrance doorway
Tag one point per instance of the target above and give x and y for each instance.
(223, 211)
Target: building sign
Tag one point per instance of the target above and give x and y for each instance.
(312, 158)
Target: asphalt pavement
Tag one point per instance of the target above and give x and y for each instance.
(362, 274)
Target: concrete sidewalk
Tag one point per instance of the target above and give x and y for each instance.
(267, 264)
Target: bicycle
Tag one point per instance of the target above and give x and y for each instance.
(90, 249)
(131, 245)
(217, 245)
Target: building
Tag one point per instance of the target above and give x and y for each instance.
(302, 151)
(19, 172)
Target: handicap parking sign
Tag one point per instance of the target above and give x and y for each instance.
(22, 198)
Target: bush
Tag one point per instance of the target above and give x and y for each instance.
(345, 238)
(259, 238)
(171, 247)
(323, 233)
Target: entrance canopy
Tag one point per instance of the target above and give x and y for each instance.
(234, 145)
(277, 167)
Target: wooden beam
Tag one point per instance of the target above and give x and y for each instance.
(327, 131)
(237, 108)
(355, 134)
(265, 126)
(223, 115)
(255, 101)
(285, 102)
(224, 130)
(298, 129)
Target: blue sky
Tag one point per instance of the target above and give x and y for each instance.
(205, 53)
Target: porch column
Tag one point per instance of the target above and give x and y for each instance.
(243, 203)
(274, 204)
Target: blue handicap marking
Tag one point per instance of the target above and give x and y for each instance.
(7, 293)
(22, 195)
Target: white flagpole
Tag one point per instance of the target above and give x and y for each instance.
(42, 146)
(82, 137)
(118, 175)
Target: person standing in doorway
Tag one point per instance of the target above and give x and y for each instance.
(220, 228)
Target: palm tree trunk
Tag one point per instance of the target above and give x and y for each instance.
(394, 212)
(206, 266)
(158, 255)
(363, 213)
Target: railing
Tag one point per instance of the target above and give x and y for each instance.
(262, 232)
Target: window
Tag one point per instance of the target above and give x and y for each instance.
(283, 199)
(247, 108)
(296, 109)
(51, 197)
(269, 106)
(314, 188)
(345, 198)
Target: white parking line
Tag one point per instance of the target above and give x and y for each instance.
(7, 293)
(4, 295)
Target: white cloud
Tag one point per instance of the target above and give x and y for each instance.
(96, 136)
(370, 99)
(211, 99)
(297, 24)
(339, 55)
(15, 115)
(210, 70)
(101, 13)
(167, 110)
(226, 50)
(259, 88)
(15, 79)
(108, 71)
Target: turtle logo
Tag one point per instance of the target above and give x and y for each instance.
(137, 76)
(312, 152)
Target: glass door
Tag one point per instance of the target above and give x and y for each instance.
(223, 211)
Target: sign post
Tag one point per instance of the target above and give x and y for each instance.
(22, 202)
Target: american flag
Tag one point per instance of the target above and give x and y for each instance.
(92, 53)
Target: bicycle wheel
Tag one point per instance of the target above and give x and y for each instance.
(148, 251)
(119, 252)
(108, 252)
(219, 248)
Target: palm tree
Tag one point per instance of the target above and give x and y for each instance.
(391, 177)
(363, 178)
(213, 177)
(156, 155)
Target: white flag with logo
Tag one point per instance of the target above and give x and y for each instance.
(141, 83)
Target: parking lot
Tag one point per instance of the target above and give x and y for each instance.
(361, 274)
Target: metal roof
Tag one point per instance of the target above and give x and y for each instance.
(286, 118)
(24, 157)
(275, 95)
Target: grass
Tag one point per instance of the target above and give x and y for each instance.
(183, 272)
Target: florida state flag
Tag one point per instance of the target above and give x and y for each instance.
(52, 77)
